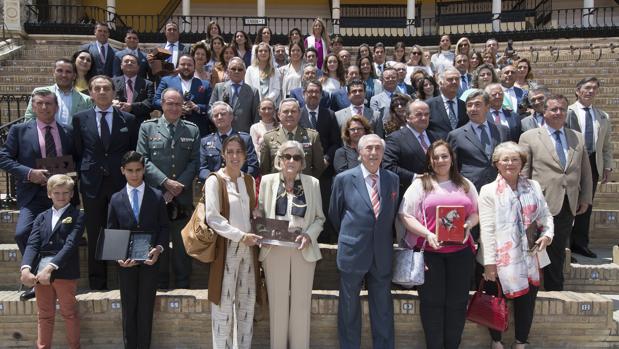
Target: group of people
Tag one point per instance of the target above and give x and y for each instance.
(358, 155)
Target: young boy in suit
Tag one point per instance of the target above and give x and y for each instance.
(138, 207)
(51, 262)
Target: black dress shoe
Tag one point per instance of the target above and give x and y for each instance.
(584, 251)
(28, 294)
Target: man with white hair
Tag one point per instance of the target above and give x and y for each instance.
(447, 111)
(503, 116)
(362, 208)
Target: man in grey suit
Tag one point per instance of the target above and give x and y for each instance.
(243, 98)
(537, 97)
(380, 102)
(102, 53)
(596, 127)
(362, 209)
(70, 100)
(474, 142)
(356, 95)
(558, 160)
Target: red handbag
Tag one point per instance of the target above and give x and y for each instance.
(487, 310)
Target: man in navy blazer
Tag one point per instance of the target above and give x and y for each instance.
(211, 157)
(474, 142)
(132, 41)
(502, 116)
(172, 44)
(135, 97)
(362, 208)
(461, 62)
(102, 52)
(25, 144)
(441, 122)
(102, 136)
(196, 93)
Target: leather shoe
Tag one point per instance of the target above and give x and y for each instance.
(584, 251)
(28, 294)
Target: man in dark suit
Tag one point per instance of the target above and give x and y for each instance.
(362, 208)
(502, 116)
(322, 120)
(356, 95)
(513, 95)
(101, 51)
(474, 142)
(595, 125)
(558, 160)
(134, 94)
(243, 98)
(132, 41)
(447, 111)
(211, 157)
(172, 44)
(461, 62)
(405, 152)
(537, 96)
(195, 92)
(27, 142)
(102, 136)
(310, 73)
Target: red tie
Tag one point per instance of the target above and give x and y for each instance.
(374, 195)
(497, 117)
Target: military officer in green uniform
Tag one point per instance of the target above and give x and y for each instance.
(289, 129)
(171, 147)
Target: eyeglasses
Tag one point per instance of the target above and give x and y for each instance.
(236, 70)
(289, 157)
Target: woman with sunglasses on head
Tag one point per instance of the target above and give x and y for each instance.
(416, 61)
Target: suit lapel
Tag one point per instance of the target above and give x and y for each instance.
(550, 147)
(33, 133)
(359, 183)
(47, 232)
(127, 203)
(139, 85)
(64, 140)
(384, 190)
(413, 143)
(572, 120)
(572, 142)
(92, 126)
(469, 133)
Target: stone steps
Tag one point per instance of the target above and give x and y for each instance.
(562, 320)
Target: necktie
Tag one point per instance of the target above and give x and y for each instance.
(171, 49)
(485, 141)
(453, 119)
(105, 130)
(374, 195)
(465, 83)
(313, 119)
(103, 54)
(539, 118)
(50, 145)
(223, 138)
(135, 205)
(559, 148)
(290, 136)
(589, 131)
(359, 110)
(172, 130)
(129, 91)
(380, 67)
(235, 93)
(422, 142)
(497, 117)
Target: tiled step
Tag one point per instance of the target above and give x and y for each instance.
(562, 320)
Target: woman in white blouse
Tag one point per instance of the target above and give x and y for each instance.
(235, 306)
(292, 72)
(262, 75)
(292, 196)
(508, 207)
(444, 57)
(333, 77)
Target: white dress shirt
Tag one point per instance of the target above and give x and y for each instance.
(551, 134)
(174, 51)
(368, 181)
(108, 117)
(140, 189)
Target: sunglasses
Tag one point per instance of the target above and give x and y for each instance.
(289, 157)
(416, 53)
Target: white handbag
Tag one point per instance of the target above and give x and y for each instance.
(408, 267)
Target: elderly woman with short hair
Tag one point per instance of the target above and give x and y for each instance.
(292, 196)
(507, 207)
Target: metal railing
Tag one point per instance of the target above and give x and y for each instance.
(12, 108)
(525, 20)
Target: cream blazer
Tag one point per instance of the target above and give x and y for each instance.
(487, 246)
(314, 217)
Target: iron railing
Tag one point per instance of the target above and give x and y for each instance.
(526, 19)
(12, 108)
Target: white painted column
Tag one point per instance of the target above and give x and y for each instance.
(12, 15)
(335, 16)
(588, 19)
(111, 11)
(496, 12)
(261, 8)
(411, 30)
(185, 11)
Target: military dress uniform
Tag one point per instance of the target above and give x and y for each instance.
(172, 151)
(309, 139)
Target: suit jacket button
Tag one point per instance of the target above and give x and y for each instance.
(51, 243)
(106, 155)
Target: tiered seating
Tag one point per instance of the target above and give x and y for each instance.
(571, 319)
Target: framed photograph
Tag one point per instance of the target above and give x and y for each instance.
(58, 165)
(275, 232)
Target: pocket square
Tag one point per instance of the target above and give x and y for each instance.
(67, 220)
(124, 129)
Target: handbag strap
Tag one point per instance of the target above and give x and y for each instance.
(223, 195)
(482, 283)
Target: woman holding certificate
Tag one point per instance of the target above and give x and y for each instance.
(442, 197)
(516, 226)
(292, 196)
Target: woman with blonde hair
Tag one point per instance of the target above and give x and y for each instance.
(463, 46)
(319, 39)
(416, 61)
(262, 75)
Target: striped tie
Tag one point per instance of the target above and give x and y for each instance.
(374, 195)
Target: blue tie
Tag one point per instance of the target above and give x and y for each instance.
(135, 205)
(559, 148)
(589, 131)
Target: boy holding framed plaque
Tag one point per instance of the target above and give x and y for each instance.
(142, 210)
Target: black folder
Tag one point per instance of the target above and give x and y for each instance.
(115, 244)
